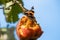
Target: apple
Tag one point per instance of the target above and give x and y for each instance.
(28, 29)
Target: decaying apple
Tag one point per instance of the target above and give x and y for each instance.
(28, 29)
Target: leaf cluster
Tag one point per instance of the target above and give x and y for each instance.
(12, 16)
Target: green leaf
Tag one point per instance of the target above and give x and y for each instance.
(12, 16)
(16, 9)
(4, 1)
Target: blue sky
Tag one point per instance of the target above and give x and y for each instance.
(47, 13)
